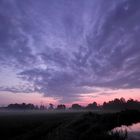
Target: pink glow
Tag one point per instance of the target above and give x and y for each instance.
(84, 99)
(35, 98)
(109, 95)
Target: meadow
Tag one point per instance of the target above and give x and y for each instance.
(44, 125)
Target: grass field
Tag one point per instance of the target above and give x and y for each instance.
(41, 125)
(31, 124)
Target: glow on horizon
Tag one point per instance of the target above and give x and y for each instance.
(35, 98)
(110, 95)
(84, 99)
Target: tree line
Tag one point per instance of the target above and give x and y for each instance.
(116, 104)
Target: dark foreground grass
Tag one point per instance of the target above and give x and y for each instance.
(65, 126)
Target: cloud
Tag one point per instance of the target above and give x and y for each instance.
(14, 47)
(18, 89)
(67, 48)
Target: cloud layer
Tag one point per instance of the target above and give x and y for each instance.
(67, 48)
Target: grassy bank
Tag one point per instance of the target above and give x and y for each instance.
(64, 126)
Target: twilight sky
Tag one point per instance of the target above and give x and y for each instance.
(69, 50)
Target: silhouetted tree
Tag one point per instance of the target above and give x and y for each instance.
(61, 107)
(76, 106)
(121, 104)
(42, 107)
(116, 104)
(36, 107)
(51, 106)
(92, 106)
(133, 104)
(22, 106)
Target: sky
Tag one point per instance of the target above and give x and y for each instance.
(69, 51)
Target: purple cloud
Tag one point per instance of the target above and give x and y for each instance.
(65, 48)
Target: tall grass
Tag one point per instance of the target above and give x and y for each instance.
(66, 126)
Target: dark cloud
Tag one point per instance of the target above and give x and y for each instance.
(14, 47)
(67, 48)
(18, 89)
